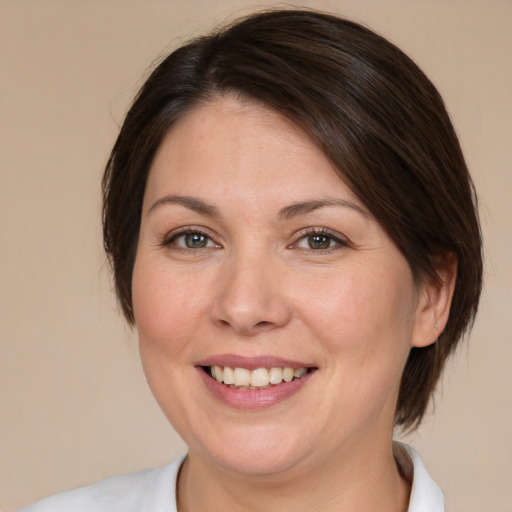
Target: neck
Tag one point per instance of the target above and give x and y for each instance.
(352, 481)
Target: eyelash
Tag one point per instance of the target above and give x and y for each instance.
(321, 232)
(170, 240)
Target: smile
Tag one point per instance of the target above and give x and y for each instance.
(254, 382)
(259, 378)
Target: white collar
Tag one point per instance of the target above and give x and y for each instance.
(426, 496)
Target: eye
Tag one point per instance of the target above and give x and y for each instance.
(321, 240)
(190, 240)
(317, 242)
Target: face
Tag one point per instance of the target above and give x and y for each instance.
(257, 264)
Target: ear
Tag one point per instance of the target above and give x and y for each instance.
(434, 302)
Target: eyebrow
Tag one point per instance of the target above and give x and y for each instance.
(288, 212)
(303, 207)
(192, 203)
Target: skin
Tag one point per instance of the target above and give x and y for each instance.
(261, 287)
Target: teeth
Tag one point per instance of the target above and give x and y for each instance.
(276, 375)
(229, 375)
(259, 378)
(288, 374)
(242, 377)
(217, 373)
(300, 372)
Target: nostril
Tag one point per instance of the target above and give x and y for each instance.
(223, 323)
(263, 323)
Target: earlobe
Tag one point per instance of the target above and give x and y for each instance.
(434, 304)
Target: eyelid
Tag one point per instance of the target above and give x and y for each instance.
(340, 240)
(187, 230)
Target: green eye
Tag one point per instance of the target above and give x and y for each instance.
(190, 240)
(195, 240)
(319, 242)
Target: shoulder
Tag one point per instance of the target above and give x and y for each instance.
(153, 490)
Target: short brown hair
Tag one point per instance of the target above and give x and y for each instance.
(370, 109)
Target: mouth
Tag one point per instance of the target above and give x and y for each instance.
(254, 383)
(255, 379)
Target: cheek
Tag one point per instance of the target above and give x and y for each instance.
(363, 316)
(166, 311)
(166, 316)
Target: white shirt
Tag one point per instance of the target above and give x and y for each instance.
(154, 490)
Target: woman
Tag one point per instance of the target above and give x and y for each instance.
(293, 232)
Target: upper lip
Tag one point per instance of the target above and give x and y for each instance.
(252, 363)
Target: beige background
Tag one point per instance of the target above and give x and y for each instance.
(74, 406)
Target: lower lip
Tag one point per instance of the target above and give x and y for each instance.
(253, 398)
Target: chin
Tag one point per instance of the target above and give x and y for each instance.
(255, 451)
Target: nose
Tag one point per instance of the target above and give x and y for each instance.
(251, 296)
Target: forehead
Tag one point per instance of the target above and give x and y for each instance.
(231, 126)
(229, 145)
